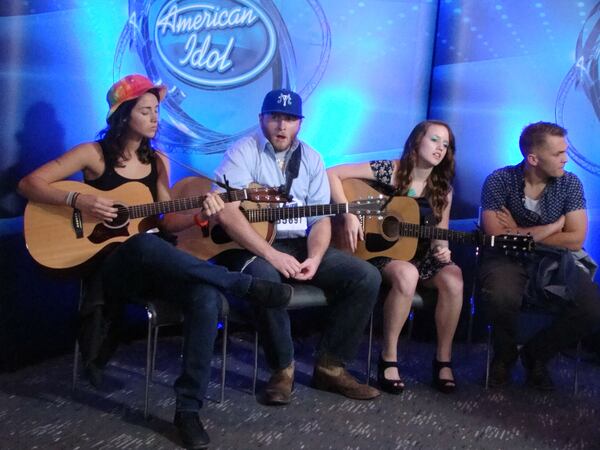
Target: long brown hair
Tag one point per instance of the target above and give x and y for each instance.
(116, 131)
(439, 182)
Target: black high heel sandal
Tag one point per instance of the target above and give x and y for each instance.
(445, 386)
(390, 386)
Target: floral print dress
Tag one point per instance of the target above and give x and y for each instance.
(424, 260)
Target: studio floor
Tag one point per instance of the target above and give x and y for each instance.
(39, 409)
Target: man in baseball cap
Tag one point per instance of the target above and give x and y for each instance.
(300, 252)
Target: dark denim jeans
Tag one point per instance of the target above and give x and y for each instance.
(503, 283)
(148, 266)
(351, 286)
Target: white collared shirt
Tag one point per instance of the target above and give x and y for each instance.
(252, 159)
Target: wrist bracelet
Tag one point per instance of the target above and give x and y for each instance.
(69, 198)
(75, 195)
(200, 223)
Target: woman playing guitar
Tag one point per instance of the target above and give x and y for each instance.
(145, 264)
(424, 171)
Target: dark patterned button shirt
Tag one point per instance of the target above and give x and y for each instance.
(505, 187)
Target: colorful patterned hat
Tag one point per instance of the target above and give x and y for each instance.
(282, 101)
(130, 87)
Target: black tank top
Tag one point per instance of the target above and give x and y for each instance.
(110, 179)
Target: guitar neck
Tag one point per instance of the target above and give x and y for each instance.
(180, 204)
(442, 234)
(293, 212)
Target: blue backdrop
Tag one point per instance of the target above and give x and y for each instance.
(368, 72)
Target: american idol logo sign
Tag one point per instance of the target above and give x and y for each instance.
(218, 44)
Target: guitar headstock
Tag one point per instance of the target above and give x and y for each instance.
(266, 195)
(512, 243)
(371, 206)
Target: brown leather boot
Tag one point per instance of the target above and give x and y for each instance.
(333, 377)
(279, 388)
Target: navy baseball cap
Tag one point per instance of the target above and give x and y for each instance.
(282, 101)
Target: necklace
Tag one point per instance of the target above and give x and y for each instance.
(281, 158)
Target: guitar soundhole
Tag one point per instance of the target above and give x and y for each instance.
(122, 218)
(219, 235)
(390, 228)
(377, 243)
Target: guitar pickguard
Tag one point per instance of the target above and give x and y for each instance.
(377, 243)
(219, 235)
(102, 233)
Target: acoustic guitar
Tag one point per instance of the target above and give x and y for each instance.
(211, 240)
(60, 237)
(395, 232)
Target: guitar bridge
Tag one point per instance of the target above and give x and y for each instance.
(77, 222)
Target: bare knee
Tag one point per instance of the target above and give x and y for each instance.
(402, 277)
(450, 281)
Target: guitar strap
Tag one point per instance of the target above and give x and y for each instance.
(291, 173)
(292, 169)
(197, 172)
(383, 188)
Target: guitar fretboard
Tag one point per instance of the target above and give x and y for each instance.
(507, 243)
(179, 204)
(294, 212)
(442, 234)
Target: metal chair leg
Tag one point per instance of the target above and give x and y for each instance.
(76, 353)
(75, 364)
(488, 357)
(154, 347)
(255, 374)
(149, 356)
(576, 374)
(224, 358)
(411, 318)
(470, 323)
(369, 351)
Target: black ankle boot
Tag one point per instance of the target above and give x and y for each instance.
(445, 386)
(387, 385)
(537, 372)
(191, 431)
(499, 373)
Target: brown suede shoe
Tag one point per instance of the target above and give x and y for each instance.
(337, 379)
(279, 388)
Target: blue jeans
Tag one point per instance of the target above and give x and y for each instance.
(148, 266)
(351, 286)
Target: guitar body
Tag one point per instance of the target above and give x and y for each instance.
(51, 237)
(382, 232)
(207, 242)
